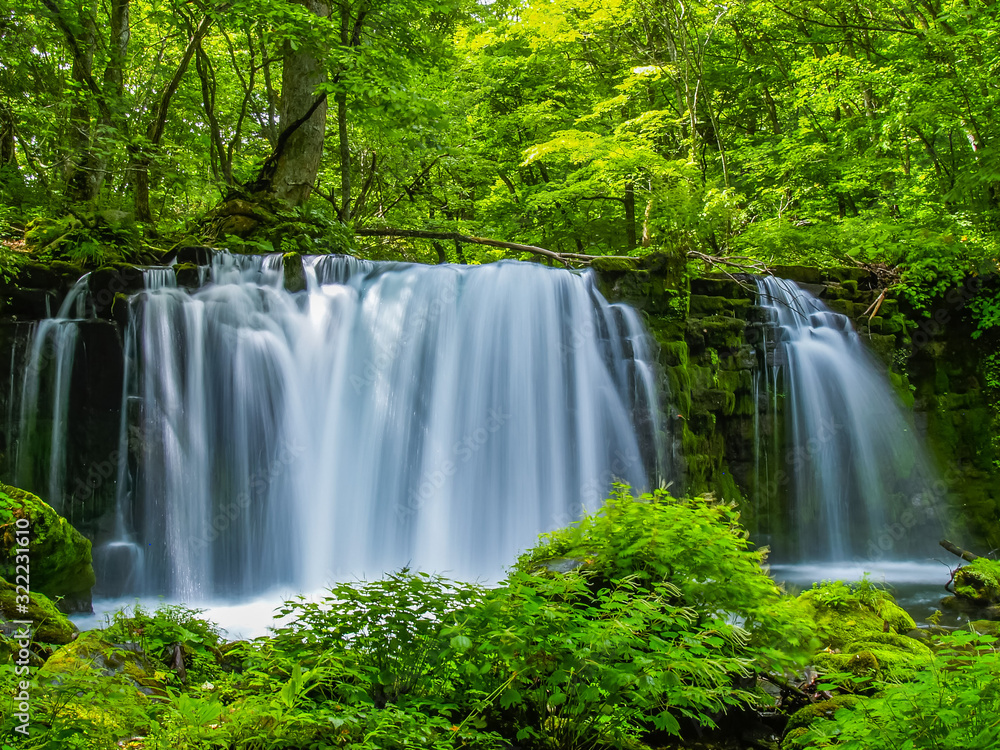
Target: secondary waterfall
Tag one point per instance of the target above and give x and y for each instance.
(392, 414)
(42, 419)
(857, 484)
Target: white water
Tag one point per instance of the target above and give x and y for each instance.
(439, 417)
(857, 483)
(40, 452)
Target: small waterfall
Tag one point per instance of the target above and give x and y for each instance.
(43, 412)
(855, 479)
(391, 414)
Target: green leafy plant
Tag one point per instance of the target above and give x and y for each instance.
(953, 702)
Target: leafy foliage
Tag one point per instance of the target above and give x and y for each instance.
(954, 701)
(636, 640)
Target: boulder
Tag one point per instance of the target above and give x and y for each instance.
(94, 651)
(49, 625)
(59, 555)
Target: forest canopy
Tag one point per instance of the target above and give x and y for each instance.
(785, 130)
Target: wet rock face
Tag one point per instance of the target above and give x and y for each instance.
(87, 495)
(710, 332)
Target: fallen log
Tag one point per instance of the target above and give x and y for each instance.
(956, 550)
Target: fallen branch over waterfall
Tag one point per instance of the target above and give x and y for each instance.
(956, 550)
(739, 263)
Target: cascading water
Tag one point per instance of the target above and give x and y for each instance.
(856, 481)
(40, 460)
(432, 416)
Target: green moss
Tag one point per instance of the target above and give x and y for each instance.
(188, 275)
(979, 581)
(674, 353)
(49, 624)
(849, 613)
(60, 555)
(95, 651)
(822, 710)
(986, 627)
(898, 655)
(721, 332)
(295, 275)
(613, 264)
(863, 666)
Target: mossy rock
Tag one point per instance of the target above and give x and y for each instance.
(49, 624)
(60, 555)
(94, 651)
(986, 627)
(843, 615)
(294, 272)
(610, 265)
(898, 656)
(802, 718)
(895, 641)
(198, 255)
(789, 742)
(979, 582)
(188, 275)
(863, 665)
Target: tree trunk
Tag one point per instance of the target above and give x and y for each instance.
(143, 158)
(82, 173)
(298, 163)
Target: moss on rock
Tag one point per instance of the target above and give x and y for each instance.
(822, 710)
(49, 624)
(848, 613)
(979, 582)
(60, 556)
(294, 272)
(94, 651)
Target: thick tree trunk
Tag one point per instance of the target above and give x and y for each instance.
(298, 163)
(83, 174)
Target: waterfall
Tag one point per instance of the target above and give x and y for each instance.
(391, 414)
(856, 481)
(43, 415)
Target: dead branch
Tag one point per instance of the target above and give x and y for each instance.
(956, 550)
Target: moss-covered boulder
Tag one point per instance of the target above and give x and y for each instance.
(802, 718)
(846, 613)
(49, 625)
(979, 582)
(94, 651)
(60, 556)
(888, 656)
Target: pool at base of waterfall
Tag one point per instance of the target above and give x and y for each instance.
(918, 587)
